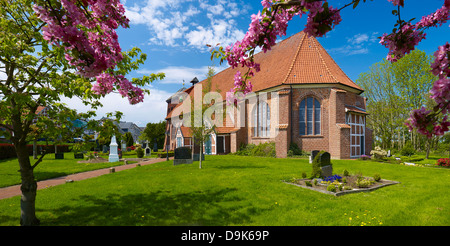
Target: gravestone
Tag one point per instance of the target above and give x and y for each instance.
(155, 147)
(113, 154)
(59, 155)
(182, 155)
(124, 146)
(78, 156)
(148, 151)
(325, 164)
(105, 149)
(313, 155)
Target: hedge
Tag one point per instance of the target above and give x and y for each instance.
(8, 151)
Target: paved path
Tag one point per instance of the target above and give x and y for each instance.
(11, 191)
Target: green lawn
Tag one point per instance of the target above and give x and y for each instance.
(236, 190)
(51, 168)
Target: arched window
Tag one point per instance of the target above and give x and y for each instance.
(261, 120)
(309, 116)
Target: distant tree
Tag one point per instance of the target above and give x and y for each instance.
(154, 131)
(128, 139)
(392, 91)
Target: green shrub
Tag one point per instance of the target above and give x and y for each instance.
(308, 183)
(316, 165)
(290, 153)
(345, 172)
(378, 153)
(295, 150)
(363, 182)
(376, 177)
(407, 150)
(303, 175)
(263, 149)
(139, 152)
(331, 188)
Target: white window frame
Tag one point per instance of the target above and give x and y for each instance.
(261, 120)
(362, 133)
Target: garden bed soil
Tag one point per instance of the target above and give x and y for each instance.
(351, 180)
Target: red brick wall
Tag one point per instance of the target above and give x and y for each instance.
(314, 142)
(334, 136)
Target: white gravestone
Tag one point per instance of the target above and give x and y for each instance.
(113, 156)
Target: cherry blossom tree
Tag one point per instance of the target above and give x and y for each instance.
(59, 48)
(273, 20)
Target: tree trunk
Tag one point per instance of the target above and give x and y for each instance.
(28, 187)
(201, 153)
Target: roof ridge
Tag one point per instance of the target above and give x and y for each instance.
(323, 61)
(295, 58)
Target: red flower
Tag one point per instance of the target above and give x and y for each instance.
(443, 162)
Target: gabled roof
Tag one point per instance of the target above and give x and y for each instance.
(298, 59)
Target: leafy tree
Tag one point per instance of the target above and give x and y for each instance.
(50, 49)
(128, 139)
(154, 131)
(202, 128)
(392, 91)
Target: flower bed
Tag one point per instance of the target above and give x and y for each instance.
(337, 185)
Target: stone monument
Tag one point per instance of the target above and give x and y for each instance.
(325, 164)
(148, 151)
(113, 155)
(124, 146)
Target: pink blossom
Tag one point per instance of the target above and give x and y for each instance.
(267, 25)
(397, 2)
(440, 66)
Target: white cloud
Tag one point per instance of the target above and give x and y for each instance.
(178, 74)
(183, 23)
(358, 38)
(152, 109)
(356, 45)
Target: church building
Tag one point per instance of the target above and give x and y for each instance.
(308, 100)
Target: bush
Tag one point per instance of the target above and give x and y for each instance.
(443, 162)
(408, 150)
(376, 177)
(164, 154)
(346, 172)
(316, 166)
(331, 188)
(263, 149)
(303, 175)
(139, 152)
(378, 153)
(308, 183)
(295, 150)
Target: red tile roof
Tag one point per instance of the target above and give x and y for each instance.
(296, 60)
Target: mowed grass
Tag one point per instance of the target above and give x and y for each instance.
(52, 168)
(48, 168)
(236, 190)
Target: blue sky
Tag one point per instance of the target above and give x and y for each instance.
(173, 34)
